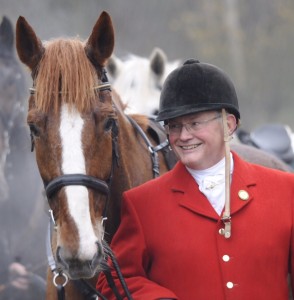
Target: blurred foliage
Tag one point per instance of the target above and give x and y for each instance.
(252, 40)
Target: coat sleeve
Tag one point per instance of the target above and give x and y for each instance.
(130, 250)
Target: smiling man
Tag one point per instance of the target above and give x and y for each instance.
(183, 235)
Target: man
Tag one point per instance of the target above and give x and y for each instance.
(214, 227)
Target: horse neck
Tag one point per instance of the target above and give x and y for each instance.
(135, 157)
(134, 168)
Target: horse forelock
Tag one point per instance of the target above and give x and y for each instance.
(65, 74)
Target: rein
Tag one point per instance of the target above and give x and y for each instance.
(152, 150)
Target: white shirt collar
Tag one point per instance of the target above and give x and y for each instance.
(217, 169)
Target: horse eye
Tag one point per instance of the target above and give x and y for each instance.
(158, 86)
(108, 124)
(34, 129)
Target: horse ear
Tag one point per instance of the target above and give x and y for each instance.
(6, 36)
(100, 44)
(29, 47)
(157, 62)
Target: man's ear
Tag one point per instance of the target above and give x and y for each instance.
(232, 123)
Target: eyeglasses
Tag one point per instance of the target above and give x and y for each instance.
(176, 129)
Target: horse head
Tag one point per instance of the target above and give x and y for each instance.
(139, 80)
(73, 126)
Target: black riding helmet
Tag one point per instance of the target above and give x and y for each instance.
(196, 87)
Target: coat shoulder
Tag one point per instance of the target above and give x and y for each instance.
(160, 184)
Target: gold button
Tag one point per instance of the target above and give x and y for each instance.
(221, 231)
(243, 195)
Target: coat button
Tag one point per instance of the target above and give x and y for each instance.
(230, 285)
(226, 258)
(243, 195)
(221, 231)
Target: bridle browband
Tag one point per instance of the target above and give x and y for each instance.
(100, 87)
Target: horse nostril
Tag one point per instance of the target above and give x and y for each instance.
(99, 248)
(98, 256)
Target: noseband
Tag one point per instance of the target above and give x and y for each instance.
(76, 179)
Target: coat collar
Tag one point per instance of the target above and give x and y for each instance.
(188, 195)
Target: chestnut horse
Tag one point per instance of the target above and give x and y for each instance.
(87, 149)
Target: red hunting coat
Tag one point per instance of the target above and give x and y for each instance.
(169, 246)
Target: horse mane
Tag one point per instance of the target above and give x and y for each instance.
(65, 70)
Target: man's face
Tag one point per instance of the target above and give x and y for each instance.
(200, 144)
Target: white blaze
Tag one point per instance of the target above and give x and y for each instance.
(73, 162)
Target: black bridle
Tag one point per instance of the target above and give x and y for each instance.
(104, 187)
(76, 179)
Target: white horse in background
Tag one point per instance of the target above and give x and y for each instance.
(138, 80)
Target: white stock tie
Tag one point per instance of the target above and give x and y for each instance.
(213, 187)
(211, 181)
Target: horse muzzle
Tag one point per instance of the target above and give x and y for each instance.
(77, 268)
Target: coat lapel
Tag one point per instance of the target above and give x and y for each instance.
(186, 191)
(243, 184)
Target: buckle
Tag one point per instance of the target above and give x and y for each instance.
(226, 232)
